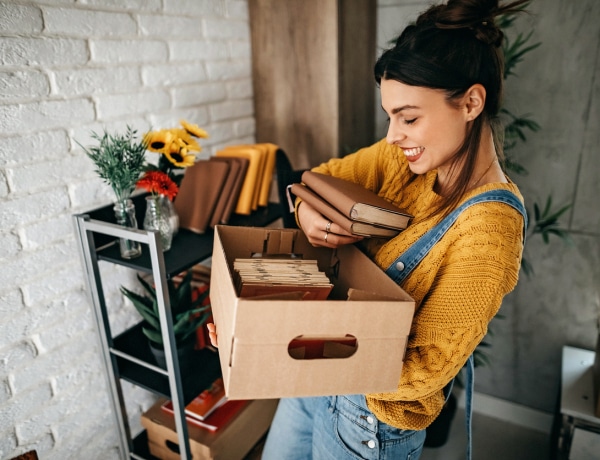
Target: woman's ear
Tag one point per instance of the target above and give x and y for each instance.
(474, 101)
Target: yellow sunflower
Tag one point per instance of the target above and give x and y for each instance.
(187, 140)
(193, 129)
(192, 145)
(177, 145)
(158, 140)
(178, 154)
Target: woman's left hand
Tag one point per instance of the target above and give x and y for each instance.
(320, 231)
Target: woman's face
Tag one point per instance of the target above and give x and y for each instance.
(424, 125)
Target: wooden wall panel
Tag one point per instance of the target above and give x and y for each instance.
(303, 74)
(357, 55)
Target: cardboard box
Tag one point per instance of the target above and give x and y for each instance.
(255, 334)
(231, 442)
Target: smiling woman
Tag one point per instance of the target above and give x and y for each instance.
(440, 86)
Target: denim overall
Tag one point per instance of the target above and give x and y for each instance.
(405, 264)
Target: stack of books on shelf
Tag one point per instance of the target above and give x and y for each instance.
(354, 208)
(236, 180)
(210, 410)
(200, 276)
(272, 276)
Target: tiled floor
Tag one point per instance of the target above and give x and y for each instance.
(493, 439)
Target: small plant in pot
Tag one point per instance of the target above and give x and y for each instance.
(189, 311)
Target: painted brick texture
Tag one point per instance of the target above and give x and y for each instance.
(67, 69)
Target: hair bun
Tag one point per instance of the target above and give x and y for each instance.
(475, 15)
(488, 32)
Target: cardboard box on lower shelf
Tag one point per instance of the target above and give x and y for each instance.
(232, 442)
(352, 342)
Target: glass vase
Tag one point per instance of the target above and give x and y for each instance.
(125, 215)
(169, 209)
(157, 219)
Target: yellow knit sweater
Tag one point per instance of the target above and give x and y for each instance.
(457, 288)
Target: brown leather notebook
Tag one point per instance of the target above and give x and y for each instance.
(356, 202)
(327, 210)
(248, 199)
(227, 201)
(199, 192)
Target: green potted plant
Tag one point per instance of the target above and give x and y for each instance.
(119, 161)
(188, 313)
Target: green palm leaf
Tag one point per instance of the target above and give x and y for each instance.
(187, 315)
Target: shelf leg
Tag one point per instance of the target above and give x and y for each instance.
(166, 326)
(94, 288)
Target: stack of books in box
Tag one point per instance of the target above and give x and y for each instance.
(273, 276)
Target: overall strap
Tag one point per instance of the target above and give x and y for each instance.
(469, 389)
(405, 264)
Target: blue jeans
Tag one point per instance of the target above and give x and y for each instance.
(336, 428)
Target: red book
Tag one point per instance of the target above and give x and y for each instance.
(207, 401)
(220, 417)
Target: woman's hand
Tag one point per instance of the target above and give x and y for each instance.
(212, 334)
(320, 231)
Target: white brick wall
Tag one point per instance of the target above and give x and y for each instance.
(69, 68)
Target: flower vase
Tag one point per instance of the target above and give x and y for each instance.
(169, 208)
(157, 219)
(125, 216)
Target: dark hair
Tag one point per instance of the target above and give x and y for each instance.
(451, 47)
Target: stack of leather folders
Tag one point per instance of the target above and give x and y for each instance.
(236, 180)
(356, 209)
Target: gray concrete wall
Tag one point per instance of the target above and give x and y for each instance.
(559, 85)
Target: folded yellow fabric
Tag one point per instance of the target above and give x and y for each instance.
(267, 177)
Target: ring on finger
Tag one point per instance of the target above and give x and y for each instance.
(326, 235)
(328, 227)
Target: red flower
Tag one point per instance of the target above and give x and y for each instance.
(159, 183)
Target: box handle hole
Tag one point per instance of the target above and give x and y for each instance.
(173, 447)
(319, 347)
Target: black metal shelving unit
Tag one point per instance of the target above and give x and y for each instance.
(126, 356)
(129, 345)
